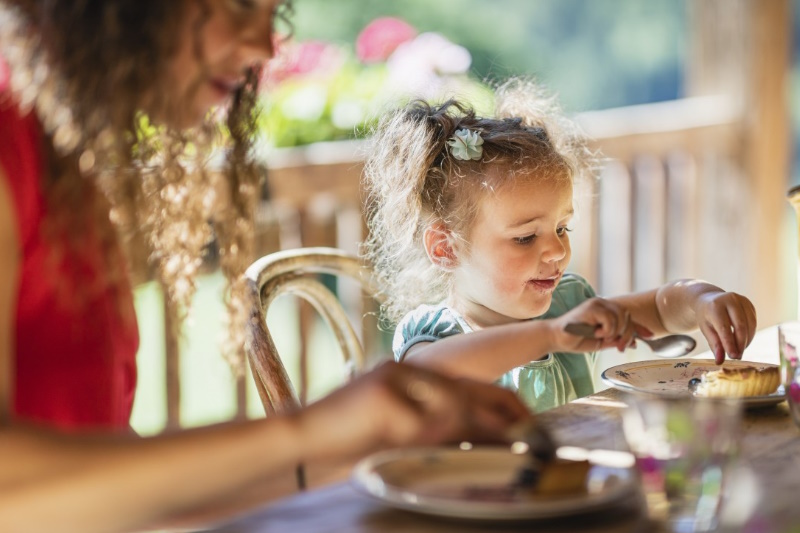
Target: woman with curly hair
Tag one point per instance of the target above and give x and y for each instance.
(104, 133)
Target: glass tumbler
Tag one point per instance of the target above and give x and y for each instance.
(684, 449)
(788, 344)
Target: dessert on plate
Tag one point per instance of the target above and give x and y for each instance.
(557, 477)
(739, 382)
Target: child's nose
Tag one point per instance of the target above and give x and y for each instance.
(555, 249)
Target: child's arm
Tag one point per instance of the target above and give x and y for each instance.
(726, 319)
(486, 354)
(489, 353)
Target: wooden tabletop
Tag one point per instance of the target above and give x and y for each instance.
(766, 485)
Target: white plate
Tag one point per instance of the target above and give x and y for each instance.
(671, 378)
(478, 484)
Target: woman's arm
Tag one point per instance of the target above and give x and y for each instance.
(55, 482)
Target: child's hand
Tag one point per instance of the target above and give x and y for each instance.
(613, 323)
(728, 321)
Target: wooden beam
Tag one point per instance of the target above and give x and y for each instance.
(741, 48)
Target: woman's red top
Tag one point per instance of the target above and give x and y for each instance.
(75, 364)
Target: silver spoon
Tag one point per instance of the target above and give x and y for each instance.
(667, 346)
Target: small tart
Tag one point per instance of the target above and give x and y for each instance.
(562, 477)
(739, 382)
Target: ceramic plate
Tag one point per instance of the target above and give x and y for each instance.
(478, 484)
(671, 378)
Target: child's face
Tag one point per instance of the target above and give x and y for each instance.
(518, 252)
(214, 51)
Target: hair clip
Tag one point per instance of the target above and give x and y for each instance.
(466, 145)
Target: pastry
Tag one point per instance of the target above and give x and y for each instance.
(739, 382)
(559, 477)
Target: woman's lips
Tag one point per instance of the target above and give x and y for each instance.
(224, 87)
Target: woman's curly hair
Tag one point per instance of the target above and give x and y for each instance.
(412, 180)
(89, 68)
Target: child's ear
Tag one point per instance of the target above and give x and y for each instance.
(439, 246)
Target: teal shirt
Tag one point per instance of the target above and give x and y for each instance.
(555, 380)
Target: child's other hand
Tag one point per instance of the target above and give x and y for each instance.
(613, 327)
(728, 321)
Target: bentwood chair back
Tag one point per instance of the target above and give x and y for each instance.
(297, 272)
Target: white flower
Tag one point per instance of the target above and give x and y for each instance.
(466, 145)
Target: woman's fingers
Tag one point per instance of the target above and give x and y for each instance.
(450, 409)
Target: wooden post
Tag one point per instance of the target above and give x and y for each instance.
(172, 363)
(741, 48)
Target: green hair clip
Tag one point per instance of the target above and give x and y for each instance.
(466, 145)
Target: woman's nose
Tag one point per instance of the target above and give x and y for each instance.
(257, 42)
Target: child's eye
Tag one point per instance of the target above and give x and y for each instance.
(563, 230)
(525, 240)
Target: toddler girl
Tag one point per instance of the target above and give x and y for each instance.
(469, 232)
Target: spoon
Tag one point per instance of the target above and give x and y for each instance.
(667, 346)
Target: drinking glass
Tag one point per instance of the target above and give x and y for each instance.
(788, 344)
(684, 449)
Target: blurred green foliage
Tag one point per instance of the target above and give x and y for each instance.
(593, 53)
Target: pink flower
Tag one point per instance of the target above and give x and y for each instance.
(298, 59)
(381, 37)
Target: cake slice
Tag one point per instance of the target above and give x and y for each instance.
(739, 382)
(562, 477)
(558, 477)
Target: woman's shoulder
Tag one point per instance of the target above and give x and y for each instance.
(21, 159)
(20, 138)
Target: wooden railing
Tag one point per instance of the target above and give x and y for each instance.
(690, 188)
(673, 199)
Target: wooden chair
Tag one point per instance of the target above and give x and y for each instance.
(296, 272)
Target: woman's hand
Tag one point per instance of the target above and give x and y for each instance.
(397, 405)
(728, 322)
(613, 327)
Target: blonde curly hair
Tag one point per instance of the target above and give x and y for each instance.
(412, 180)
(88, 68)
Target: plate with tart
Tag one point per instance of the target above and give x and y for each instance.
(756, 384)
(494, 482)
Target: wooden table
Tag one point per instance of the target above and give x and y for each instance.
(770, 484)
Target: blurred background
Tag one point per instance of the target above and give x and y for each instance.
(693, 103)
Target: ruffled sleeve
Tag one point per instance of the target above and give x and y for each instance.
(426, 323)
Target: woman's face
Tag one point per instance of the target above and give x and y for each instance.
(218, 42)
